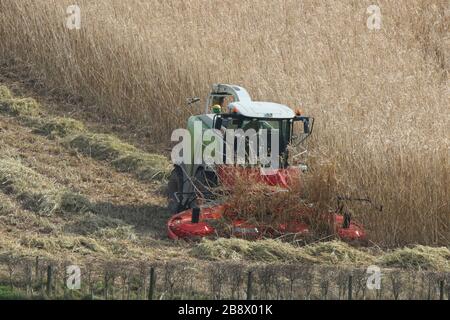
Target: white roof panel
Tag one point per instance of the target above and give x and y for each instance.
(263, 110)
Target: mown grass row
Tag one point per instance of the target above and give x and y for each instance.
(14, 217)
(73, 134)
(30, 204)
(44, 197)
(36, 192)
(124, 157)
(47, 220)
(327, 253)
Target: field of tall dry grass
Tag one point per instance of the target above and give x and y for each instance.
(380, 98)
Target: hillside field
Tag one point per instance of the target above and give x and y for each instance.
(86, 117)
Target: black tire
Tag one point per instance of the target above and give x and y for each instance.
(174, 185)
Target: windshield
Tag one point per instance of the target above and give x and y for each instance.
(284, 127)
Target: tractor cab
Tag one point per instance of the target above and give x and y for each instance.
(231, 107)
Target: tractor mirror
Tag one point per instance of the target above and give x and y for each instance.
(218, 123)
(306, 125)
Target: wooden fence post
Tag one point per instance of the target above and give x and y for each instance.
(36, 270)
(106, 285)
(65, 278)
(49, 280)
(29, 276)
(143, 287)
(441, 290)
(128, 287)
(113, 280)
(91, 288)
(152, 284)
(324, 287)
(249, 285)
(350, 287)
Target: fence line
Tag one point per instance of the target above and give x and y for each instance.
(37, 277)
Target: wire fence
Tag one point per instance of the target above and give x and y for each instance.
(38, 278)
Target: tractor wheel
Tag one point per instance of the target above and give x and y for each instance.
(175, 185)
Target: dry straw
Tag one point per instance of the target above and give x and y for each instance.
(380, 98)
(36, 192)
(123, 156)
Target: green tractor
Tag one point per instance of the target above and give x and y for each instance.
(229, 107)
